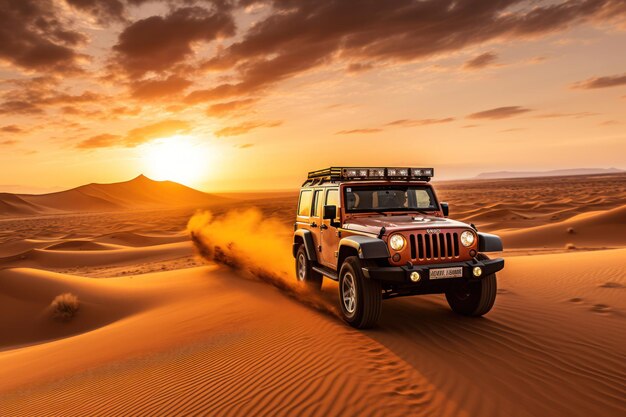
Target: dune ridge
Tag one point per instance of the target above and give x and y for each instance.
(138, 193)
(594, 229)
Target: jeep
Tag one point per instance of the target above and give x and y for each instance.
(382, 233)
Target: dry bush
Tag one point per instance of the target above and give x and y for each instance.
(570, 246)
(64, 306)
(570, 230)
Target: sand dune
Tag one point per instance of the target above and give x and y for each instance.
(139, 193)
(11, 204)
(594, 229)
(87, 245)
(64, 258)
(138, 239)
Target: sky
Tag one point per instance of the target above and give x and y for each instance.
(251, 95)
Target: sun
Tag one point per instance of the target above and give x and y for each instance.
(179, 158)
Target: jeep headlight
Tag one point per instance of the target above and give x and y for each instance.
(397, 242)
(467, 238)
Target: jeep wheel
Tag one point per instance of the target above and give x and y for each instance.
(305, 273)
(477, 299)
(360, 298)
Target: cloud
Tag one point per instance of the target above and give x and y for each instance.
(296, 37)
(244, 146)
(106, 11)
(158, 43)
(33, 99)
(155, 89)
(226, 108)
(11, 129)
(33, 38)
(396, 123)
(419, 122)
(481, 61)
(154, 131)
(499, 113)
(245, 127)
(136, 137)
(359, 131)
(578, 115)
(8, 142)
(100, 141)
(19, 107)
(601, 82)
(357, 67)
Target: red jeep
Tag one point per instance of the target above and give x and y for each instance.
(382, 233)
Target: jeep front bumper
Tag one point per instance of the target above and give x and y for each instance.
(401, 274)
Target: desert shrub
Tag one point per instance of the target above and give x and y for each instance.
(64, 306)
(570, 246)
(570, 230)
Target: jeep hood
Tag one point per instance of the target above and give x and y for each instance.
(373, 224)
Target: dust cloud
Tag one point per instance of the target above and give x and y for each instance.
(261, 247)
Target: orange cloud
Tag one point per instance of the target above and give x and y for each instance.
(601, 82)
(11, 129)
(100, 141)
(154, 89)
(137, 136)
(245, 127)
(419, 122)
(226, 108)
(481, 61)
(359, 131)
(154, 131)
(499, 113)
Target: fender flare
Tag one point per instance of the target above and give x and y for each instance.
(309, 246)
(489, 243)
(367, 247)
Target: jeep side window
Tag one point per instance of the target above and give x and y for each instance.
(315, 206)
(332, 199)
(304, 206)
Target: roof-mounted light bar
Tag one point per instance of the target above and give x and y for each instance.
(372, 173)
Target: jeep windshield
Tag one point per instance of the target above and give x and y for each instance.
(384, 198)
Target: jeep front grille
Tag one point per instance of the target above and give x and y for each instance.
(434, 246)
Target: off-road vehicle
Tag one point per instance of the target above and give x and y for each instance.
(382, 233)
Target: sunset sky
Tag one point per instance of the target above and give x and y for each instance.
(238, 95)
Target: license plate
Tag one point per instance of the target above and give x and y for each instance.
(456, 272)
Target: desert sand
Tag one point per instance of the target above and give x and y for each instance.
(161, 330)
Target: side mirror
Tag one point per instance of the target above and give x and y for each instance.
(445, 209)
(330, 212)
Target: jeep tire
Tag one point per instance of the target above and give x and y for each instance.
(360, 297)
(304, 271)
(477, 299)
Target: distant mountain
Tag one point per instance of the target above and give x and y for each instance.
(554, 173)
(138, 193)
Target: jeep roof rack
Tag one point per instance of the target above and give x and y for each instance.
(371, 173)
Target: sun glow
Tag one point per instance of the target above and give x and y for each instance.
(178, 158)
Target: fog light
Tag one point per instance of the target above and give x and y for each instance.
(415, 276)
(478, 271)
(396, 257)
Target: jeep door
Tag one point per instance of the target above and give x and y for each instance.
(328, 233)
